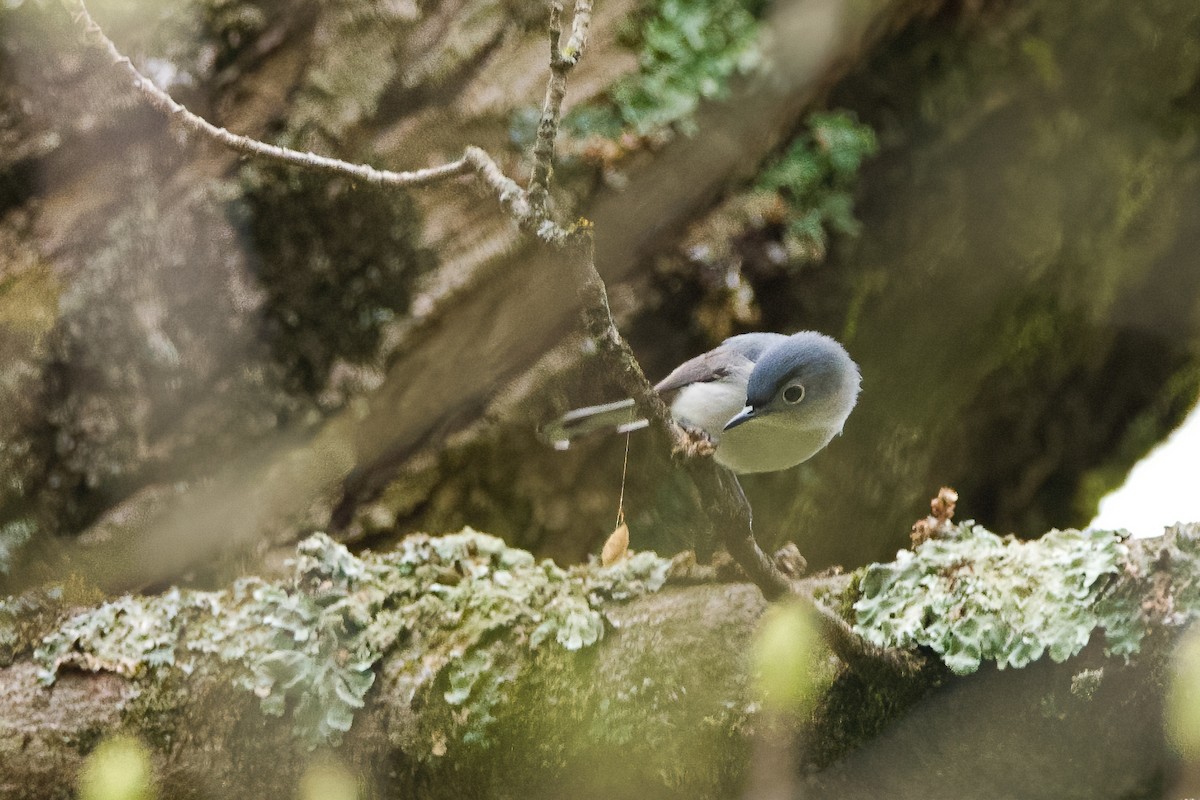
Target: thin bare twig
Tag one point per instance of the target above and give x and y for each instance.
(561, 63)
(474, 161)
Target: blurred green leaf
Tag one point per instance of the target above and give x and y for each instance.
(1183, 698)
(785, 653)
(328, 780)
(118, 769)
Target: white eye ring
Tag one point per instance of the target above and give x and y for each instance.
(793, 394)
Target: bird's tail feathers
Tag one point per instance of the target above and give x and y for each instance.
(618, 417)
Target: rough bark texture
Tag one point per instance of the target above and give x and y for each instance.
(664, 704)
(198, 355)
(306, 272)
(283, 320)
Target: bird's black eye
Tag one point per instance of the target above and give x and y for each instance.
(794, 393)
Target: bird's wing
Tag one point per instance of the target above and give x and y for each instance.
(734, 356)
(711, 366)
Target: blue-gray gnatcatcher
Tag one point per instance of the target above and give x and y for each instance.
(767, 401)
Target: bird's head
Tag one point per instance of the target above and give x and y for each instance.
(808, 381)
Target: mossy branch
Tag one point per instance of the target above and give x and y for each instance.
(457, 665)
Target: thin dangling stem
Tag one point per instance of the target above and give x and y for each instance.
(621, 497)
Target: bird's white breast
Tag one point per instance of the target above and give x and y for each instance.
(708, 406)
(762, 445)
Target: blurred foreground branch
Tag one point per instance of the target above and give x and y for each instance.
(518, 678)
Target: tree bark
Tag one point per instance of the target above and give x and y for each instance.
(502, 312)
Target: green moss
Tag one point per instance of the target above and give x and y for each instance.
(978, 597)
(858, 705)
(688, 51)
(815, 179)
(308, 647)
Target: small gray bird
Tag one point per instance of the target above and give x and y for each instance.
(767, 401)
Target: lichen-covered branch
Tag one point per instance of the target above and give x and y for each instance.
(459, 665)
(421, 666)
(312, 644)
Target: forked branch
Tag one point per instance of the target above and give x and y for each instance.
(724, 501)
(474, 160)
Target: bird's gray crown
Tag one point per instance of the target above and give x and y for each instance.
(813, 359)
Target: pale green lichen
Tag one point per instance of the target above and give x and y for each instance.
(310, 646)
(976, 597)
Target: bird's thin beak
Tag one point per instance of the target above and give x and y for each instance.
(745, 415)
